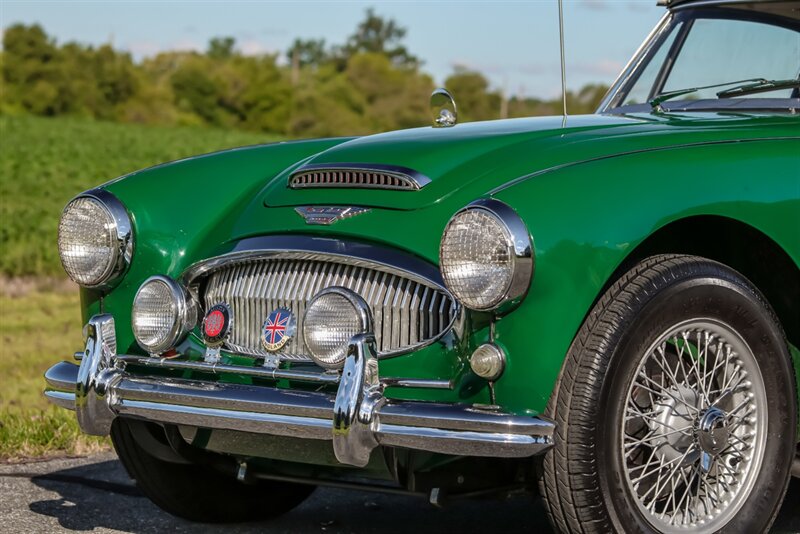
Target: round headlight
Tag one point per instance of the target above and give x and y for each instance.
(163, 313)
(485, 255)
(95, 239)
(332, 318)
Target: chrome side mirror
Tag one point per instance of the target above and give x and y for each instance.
(443, 108)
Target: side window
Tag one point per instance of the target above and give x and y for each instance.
(720, 50)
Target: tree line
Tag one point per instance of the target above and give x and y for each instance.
(367, 84)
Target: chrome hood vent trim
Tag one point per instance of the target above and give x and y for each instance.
(357, 176)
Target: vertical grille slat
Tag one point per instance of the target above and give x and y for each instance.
(405, 312)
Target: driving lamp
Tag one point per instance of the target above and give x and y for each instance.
(163, 313)
(332, 318)
(486, 256)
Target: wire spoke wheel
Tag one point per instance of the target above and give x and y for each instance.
(694, 427)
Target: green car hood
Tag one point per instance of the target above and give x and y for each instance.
(483, 155)
(200, 207)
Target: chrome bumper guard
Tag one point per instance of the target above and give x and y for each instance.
(357, 419)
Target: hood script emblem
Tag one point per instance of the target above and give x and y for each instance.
(328, 214)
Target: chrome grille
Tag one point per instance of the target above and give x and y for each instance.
(372, 177)
(406, 312)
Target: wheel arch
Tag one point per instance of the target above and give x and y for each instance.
(762, 261)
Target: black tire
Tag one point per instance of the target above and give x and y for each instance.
(200, 493)
(582, 479)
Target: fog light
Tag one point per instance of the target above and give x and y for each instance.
(163, 313)
(332, 318)
(488, 361)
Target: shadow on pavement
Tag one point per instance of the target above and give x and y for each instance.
(101, 495)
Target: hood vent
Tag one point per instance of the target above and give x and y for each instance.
(357, 176)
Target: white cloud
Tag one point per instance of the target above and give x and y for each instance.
(252, 47)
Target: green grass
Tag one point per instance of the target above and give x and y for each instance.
(39, 325)
(45, 162)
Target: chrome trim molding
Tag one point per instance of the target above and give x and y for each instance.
(123, 228)
(186, 319)
(357, 176)
(356, 420)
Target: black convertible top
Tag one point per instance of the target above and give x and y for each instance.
(785, 8)
(746, 3)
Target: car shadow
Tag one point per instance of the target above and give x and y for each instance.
(101, 495)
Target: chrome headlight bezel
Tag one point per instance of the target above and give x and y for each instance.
(363, 316)
(121, 230)
(519, 244)
(185, 317)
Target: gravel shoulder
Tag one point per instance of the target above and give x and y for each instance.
(94, 494)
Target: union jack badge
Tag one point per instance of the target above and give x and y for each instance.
(278, 329)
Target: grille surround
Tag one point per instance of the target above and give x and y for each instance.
(261, 280)
(357, 176)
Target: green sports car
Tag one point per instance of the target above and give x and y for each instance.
(602, 309)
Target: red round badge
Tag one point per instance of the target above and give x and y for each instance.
(214, 323)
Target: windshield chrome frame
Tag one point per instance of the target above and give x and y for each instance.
(683, 12)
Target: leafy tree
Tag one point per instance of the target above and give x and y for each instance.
(221, 47)
(195, 92)
(371, 83)
(307, 53)
(381, 36)
(474, 99)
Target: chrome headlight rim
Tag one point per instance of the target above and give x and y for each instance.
(122, 231)
(186, 315)
(361, 309)
(520, 244)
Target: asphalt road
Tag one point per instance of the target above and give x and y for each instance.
(94, 494)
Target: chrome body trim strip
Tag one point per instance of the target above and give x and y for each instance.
(357, 419)
(219, 368)
(421, 383)
(409, 179)
(326, 377)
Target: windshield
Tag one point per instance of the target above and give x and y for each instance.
(702, 52)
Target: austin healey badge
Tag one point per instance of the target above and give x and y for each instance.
(278, 329)
(326, 215)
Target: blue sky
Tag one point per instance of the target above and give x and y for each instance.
(514, 43)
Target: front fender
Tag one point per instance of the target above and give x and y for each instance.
(587, 218)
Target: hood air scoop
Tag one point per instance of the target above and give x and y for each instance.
(358, 176)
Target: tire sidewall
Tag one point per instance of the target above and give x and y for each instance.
(726, 300)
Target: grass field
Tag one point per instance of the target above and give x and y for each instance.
(40, 325)
(44, 163)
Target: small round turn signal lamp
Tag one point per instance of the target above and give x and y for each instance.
(488, 362)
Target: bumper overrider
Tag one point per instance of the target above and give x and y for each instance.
(357, 419)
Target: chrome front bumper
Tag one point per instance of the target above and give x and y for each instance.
(357, 419)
